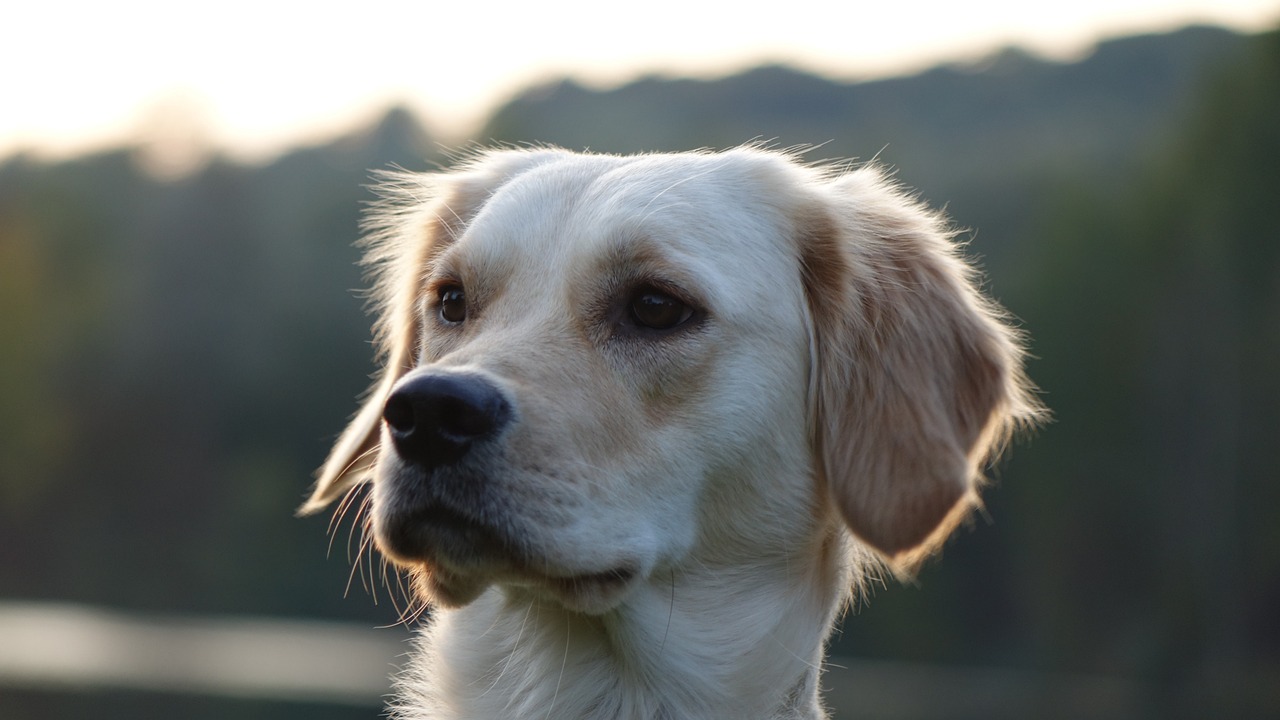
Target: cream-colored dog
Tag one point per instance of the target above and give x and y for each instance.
(643, 422)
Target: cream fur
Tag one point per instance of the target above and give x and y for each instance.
(839, 372)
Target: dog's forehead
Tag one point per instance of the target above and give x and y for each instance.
(696, 212)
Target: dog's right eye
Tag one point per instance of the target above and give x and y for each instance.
(453, 304)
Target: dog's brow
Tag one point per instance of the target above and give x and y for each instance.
(672, 186)
(634, 257)
(632, 249)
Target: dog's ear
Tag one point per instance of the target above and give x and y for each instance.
(416, 216)
(916, 377)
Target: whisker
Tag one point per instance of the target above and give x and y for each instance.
(400, 601)
(366, 564)
(511, 656)
(671, 611)
(564, 664)
(357, 524)
(355, 567)
(374, 450)
(369, 549)
(348, 499)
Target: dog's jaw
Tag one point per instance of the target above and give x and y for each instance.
(688, 636)
(681, 644)
(589, 593)
(455, 551)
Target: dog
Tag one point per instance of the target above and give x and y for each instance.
(643, 422)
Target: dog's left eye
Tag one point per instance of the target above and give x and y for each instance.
(453, 305)
(657, 310)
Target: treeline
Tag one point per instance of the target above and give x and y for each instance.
(176, 355)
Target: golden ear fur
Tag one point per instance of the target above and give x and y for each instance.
(917, 378)
(416, 216)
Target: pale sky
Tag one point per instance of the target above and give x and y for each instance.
(256, 76)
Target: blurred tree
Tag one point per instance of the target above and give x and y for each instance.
(1157, 313)
(168, 373)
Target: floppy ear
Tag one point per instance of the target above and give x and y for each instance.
(415, 217)
(916, 377)
(401, 239)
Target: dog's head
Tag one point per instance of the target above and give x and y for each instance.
(594, 366)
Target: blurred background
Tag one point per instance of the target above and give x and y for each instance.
(181, 334)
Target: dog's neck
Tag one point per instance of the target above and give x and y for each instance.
(714, 642)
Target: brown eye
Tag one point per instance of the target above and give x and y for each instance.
(657, 310)
(453, 305)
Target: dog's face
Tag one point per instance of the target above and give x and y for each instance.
(598, 366)
(608, 361)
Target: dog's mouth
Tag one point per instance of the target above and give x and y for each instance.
(592, 593)
(439, 534)
(617, 576)
(455, 556)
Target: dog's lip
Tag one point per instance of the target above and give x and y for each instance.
(572, 582)
(487, 543)
(437, 533)
(618, 576)
(443, 517)
(592, 592)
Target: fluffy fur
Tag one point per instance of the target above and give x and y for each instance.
(671, 519)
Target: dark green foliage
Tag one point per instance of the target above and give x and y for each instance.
(1159, 320)
(183, 353)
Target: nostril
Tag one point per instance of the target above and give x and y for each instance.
(398, 413)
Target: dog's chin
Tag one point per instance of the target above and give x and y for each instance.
(441, 588)
(587, 593)
(590, 593)
(453, 560)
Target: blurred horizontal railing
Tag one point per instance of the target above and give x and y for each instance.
(56, 647)
(50, 646)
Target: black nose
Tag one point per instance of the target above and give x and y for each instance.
(434, 419)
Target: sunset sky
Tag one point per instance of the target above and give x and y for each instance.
(253, 77)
